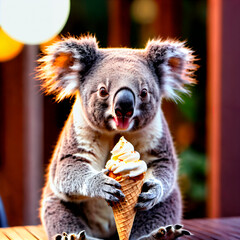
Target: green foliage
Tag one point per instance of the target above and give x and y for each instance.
(189, 107)
(192, 174)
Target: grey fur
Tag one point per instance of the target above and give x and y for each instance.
(77, 189)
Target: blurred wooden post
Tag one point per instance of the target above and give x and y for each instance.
(33, 137)
(223, 108)
(119, 23)
(168, 21)
(11, 169)
(21, 169)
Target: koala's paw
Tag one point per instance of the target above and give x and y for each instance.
(106, 188)
(64, 236)
(151, 195)
(169, 232)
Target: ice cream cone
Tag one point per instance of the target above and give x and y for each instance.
(125, 162)
(124, 211)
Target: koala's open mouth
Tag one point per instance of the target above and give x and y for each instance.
(122, 123)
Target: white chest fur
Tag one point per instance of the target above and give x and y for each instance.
(100, 218)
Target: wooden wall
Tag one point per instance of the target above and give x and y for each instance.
(21, 162)
(223, 108)
(11, 162)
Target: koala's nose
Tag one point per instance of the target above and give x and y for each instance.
(124, 103)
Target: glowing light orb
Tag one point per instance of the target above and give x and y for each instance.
(9, 48)
(34, 21)
(144, 11)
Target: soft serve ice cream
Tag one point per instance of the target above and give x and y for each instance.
(125, 162)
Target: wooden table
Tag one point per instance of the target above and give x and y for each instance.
(219, 229)
(23, 233)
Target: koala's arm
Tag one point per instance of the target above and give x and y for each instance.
(73, 175)
(161, 174)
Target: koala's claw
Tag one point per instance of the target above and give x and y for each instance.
(150, 196)
(170, 232)
(64, 236)
(106, 188)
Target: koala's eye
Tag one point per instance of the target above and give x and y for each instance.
(103, 92)
(144, 93)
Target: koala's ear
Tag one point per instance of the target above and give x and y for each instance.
(173, 64)
(63, 67)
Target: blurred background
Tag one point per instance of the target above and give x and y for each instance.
(204, 126)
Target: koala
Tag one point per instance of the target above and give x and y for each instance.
(118, 92)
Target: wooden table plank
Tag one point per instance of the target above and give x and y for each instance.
(37, 231)
(234, 221)
(11, 234)
(206, 231)
(223, 228)
(22, 231)
(198, 233)
(203, 229)
(3, 236)
(18, 233)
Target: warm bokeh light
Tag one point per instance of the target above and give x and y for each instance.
(34, 21)
(144, 11)
(185, 135)
(9, 48)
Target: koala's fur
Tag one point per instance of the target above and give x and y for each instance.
(75, 194)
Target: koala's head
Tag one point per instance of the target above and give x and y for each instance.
(120, 89)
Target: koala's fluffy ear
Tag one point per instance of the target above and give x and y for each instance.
(174, 65)
(64, 64)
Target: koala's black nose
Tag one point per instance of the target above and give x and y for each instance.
(124, 103)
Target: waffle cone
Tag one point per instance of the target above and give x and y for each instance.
(124, 211)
